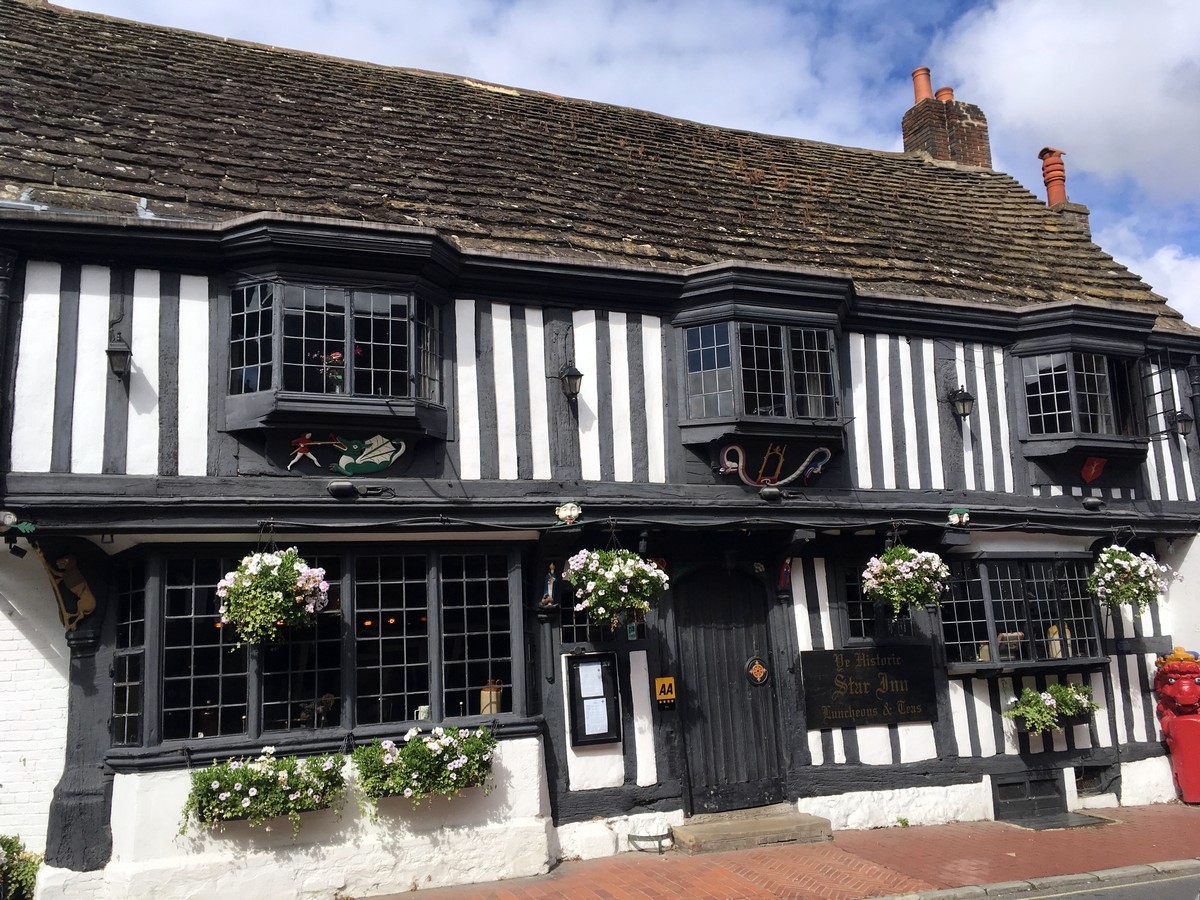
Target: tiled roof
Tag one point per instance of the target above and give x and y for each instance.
(97, 114)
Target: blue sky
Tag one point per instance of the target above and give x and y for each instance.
(1113, 83)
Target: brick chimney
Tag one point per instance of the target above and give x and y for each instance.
(943, 127)
(1054, 175)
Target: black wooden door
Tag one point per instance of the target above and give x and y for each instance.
(729, 714)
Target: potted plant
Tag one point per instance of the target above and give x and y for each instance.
(265, 788)
(904, 578)
(611, 583)
(1121, 577)
(18, 869)
(443, 762)
(269, 591)
(1051, 709)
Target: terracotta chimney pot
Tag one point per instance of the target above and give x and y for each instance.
(922, 86)
(1054, 174)
(944, 94)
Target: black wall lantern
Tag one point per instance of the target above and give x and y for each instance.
(1180, 422)
(572, 381)
(118, 355)
(963, 402)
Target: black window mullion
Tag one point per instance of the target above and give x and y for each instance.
(1031, 573)
(985, 589)
(437, 701)
(348, 344)
(152, 676)
(789, 375)
(253, 692)
(516, 631)
(349, 644)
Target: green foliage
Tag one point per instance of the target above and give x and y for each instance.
(18, 868)
(904, 578)
(257, 790)
(1122, 578)
(1043, 711)
(902, 822)
(442, 762)
(269, 591)
(611, 582)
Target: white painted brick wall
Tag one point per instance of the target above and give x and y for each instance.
(33, 698)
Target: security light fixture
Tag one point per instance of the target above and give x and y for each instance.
(342, 490)
(1094, 504)
(963, 402)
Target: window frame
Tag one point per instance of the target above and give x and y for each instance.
(978, 567)
(800, 314)
(739, 366)
(1125, 400)
(274, 405)
(153, 561)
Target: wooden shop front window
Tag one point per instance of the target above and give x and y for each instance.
(406, 637)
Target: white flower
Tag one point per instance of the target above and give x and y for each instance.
(245, 802)
(253, 792)
(215, 785)
(268, 750)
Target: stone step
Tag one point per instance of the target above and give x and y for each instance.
(747, 832)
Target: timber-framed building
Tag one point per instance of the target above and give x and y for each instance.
(252, 295)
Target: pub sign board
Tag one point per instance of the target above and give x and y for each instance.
(868, 686)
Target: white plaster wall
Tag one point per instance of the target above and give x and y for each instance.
(591, 766)
(1179, 613)
(607, 837)
(1147, 781)
(504, 834)
(919, 806)
(33, 682)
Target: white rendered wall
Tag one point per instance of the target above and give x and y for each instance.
(917, 806)
(472, 838)
(33, 716)
(1179, 613)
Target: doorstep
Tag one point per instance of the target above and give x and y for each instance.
(745, 829)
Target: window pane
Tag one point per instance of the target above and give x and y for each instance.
(1008, 605)
(381, 345)
(1047, 394)
(710, 377)
(204, 694)
(391, 623)
(859, 610)
(302, 678)
(812, 372)
(250, 339)
(1092, 394)
(763, 374)
(314, 330)
(476, 650)
(964, 617)
(129, 656)
(427, 336)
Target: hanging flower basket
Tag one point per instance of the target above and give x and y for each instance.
(612, 583)
(269, 591)
(1122, 578)
(1055, 708)
(903, 578)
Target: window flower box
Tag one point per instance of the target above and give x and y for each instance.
(443, 762)
(262, 789)
(1058, 707)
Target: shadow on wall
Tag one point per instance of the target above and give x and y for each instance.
(28, 604)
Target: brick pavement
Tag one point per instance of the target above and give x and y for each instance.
(867, 863)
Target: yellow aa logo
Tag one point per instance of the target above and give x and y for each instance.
(664, 689)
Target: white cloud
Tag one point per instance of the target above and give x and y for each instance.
(1115, 84)
(1169, 269)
